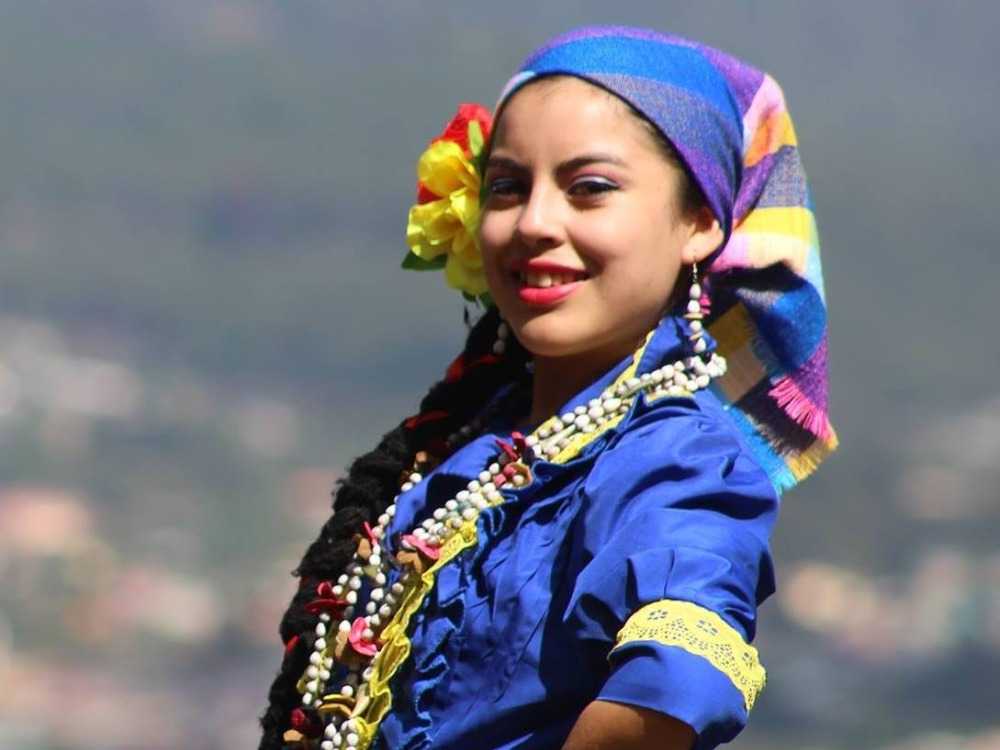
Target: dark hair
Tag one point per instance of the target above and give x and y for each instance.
(371, 483)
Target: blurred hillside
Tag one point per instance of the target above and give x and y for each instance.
(202, 320)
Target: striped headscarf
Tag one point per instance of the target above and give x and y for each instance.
(729, 124)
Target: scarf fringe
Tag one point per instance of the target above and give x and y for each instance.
(800, 408)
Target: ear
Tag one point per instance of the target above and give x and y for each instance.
(705, 238)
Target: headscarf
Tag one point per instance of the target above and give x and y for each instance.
(729, 125)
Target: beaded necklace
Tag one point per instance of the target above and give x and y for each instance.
(354, 641)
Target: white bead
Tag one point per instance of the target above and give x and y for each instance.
(406, 486)
(307, 699)
(354, 583)
(645, 378)
(344, 626)
(320, 629)
(474, 485)
(320, 644)
(493, 470)
(312, 672)
(485, 476)
(531, 440)
(356, 570)
(351, 597)
(439, 514)
(397, 588)
(580, 410)
(366, 675)
(327, 744)
(324, 674)
(462, 496)
(377, 594)
(342, 579)
(657, 376)
(612, 404)
(347, 690)
(415, 477)
(375, 559)
(567, 418)
(370, 607)
(595, 412)
(380, 579)
(391, 511)
(352, 740)
(693, 307)
(582, 421)
(324, 617)
(385, 610)
(696, 326)
(632, 383)
(702, 381)
(700, 346)
(455, 523)
(367, 634)
(469, 514)
(383, 520)
(374, 621)
(695, 291)
(315, 657)
(312, 686)
(338, 590)
(517, 480)
(330, 730)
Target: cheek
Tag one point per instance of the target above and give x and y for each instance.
(494, 232)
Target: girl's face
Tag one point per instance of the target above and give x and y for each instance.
(583, 232)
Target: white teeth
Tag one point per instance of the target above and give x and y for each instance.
(544, 280)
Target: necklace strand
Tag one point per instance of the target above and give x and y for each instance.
(355, 640)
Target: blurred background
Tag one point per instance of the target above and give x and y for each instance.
(202, 320)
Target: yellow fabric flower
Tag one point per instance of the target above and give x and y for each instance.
(441, 228)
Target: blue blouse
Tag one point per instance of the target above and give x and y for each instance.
(631, 574)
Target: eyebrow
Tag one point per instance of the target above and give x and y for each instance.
(583, 160)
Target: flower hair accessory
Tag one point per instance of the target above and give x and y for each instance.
(441, 227)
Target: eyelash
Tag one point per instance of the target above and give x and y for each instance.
(501, 186)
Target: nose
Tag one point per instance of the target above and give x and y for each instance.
(539, 224)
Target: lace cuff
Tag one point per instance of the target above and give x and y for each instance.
(701, 632)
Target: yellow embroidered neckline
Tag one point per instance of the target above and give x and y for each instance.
(394, 638)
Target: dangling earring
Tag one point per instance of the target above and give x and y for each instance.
(503, 333)
(694, 313)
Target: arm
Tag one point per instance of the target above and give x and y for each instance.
(676, 534)
(604, 725)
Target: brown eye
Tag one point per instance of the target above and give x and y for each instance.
(503, 186)
(591, 186)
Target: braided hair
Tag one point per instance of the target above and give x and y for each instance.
(371, 483)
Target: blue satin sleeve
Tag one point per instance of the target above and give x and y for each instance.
(674, 509)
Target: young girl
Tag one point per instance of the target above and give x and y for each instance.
(567, 545)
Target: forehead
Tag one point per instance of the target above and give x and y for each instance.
(567, 112)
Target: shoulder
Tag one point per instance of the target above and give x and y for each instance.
(686, 446)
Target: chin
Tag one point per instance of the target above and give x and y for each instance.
(547, 339)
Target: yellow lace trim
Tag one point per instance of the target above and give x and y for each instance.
(701, 632)
(395, 641)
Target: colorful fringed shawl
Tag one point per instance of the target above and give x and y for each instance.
(728, 122)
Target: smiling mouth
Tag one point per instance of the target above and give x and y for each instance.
(547, 279)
